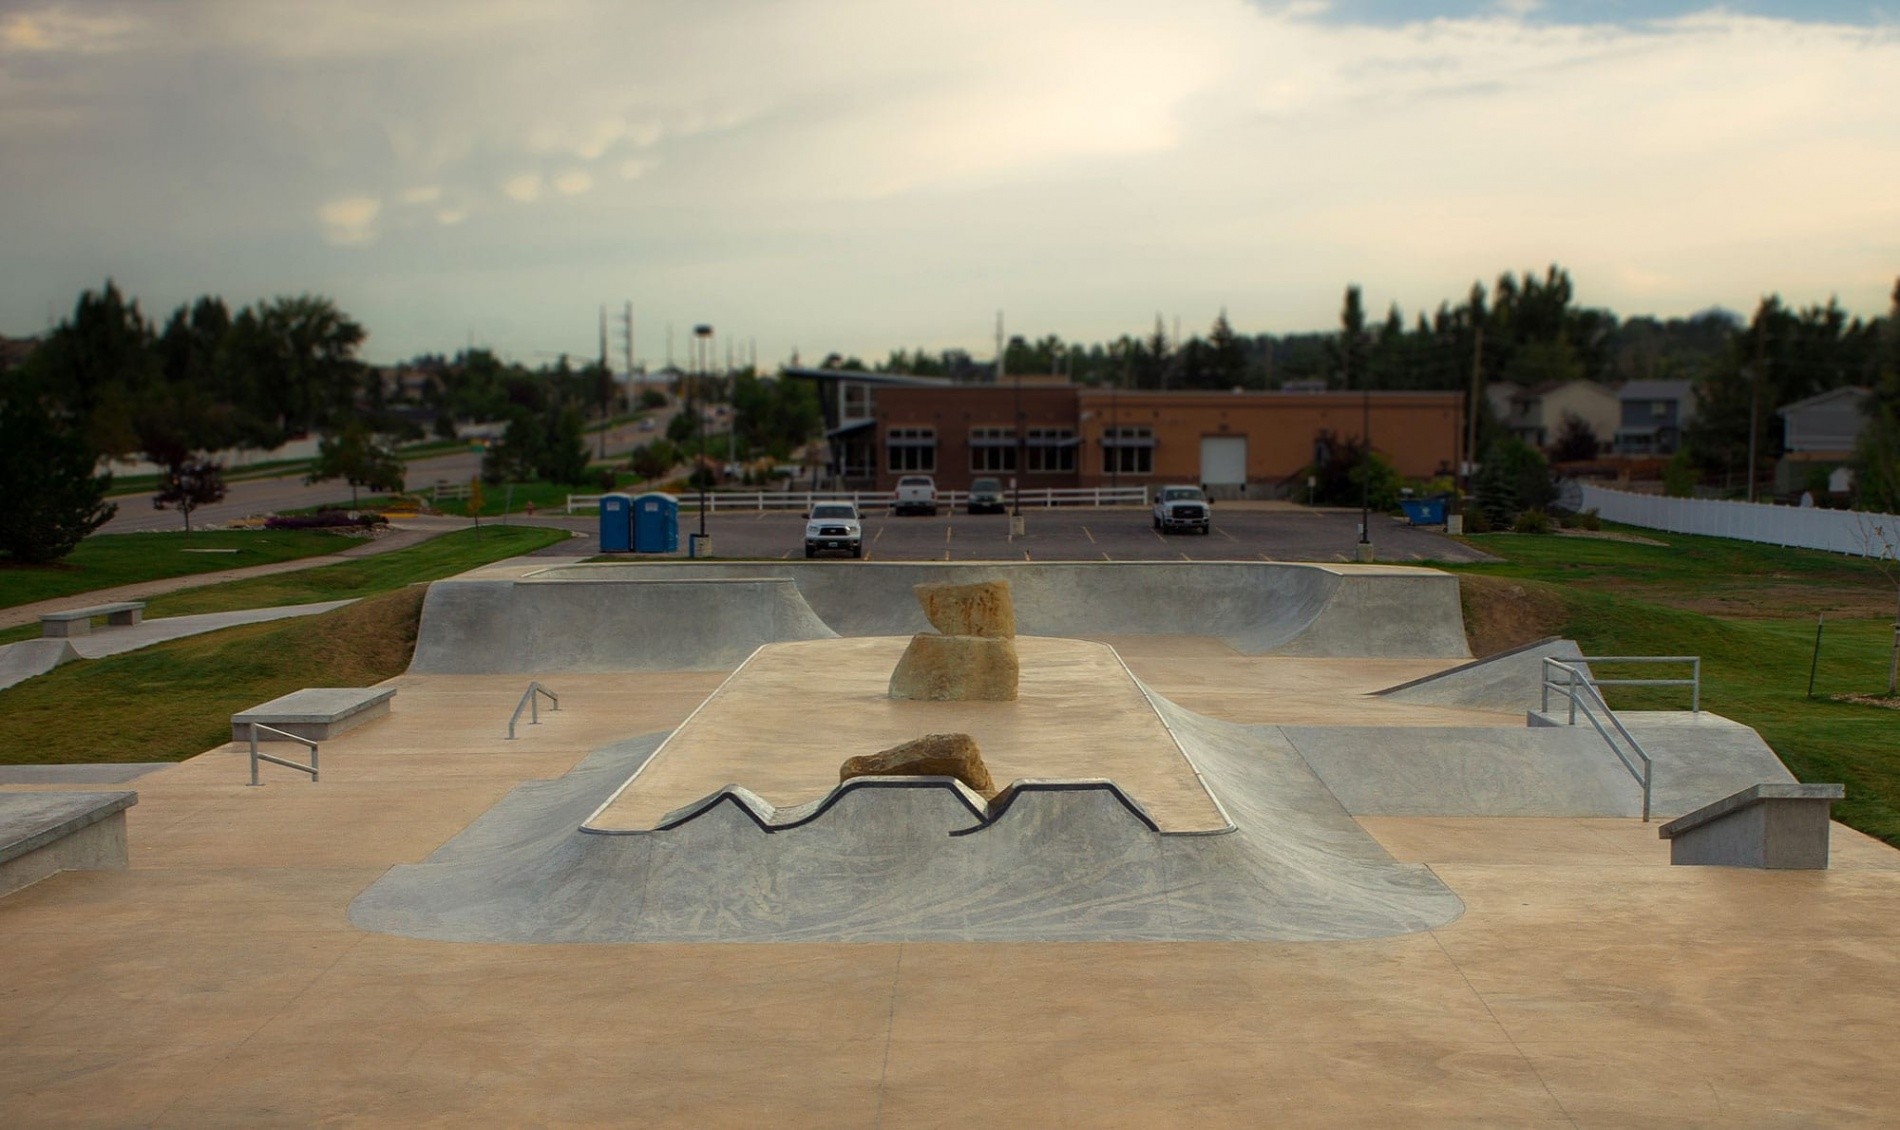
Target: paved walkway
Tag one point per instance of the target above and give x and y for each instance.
(412, 531)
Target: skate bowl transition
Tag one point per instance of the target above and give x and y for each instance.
(1125, 816)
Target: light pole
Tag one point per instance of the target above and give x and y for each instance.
(1365, 473)
(702, 354)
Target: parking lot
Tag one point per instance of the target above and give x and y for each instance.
(1243, 531)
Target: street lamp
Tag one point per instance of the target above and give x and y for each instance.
(702, 351)
(1365, 474)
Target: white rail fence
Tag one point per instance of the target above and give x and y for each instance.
(871, 500)
(1853, 532)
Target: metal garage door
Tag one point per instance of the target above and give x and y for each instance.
(1223, 460)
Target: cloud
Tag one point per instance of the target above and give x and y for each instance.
(856, 176)
(59, 30)
(525, 188)
(350, 221)
(574, 182)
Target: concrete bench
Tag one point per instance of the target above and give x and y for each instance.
(43, 833)
(315, 713)
(78, 621)
(1774, 826)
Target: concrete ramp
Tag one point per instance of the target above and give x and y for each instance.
(883, 859)
(484, 627)
(1257, 608)
(29, 658)
(1535, 771)
(1509, 680)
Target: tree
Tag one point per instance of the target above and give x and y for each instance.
(1349, 349)
(1513, 478)
(1576, 441)
(187, 485)
(49, 497)
(354, 456)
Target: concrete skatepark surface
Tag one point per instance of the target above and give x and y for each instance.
(221, 982)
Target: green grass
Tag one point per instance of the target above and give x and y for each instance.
(1626, 599)
(175, 700)
(432, 560)
(109, 560)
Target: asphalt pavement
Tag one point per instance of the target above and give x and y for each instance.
(1242, 532)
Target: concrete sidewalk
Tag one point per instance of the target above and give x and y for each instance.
(411, 531)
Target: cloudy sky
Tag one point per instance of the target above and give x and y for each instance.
(865, 174)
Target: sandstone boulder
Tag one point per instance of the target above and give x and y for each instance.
(982, 609)
(933, 755)
(956, 669)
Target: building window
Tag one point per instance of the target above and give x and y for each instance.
(856, 401)
(1051, 450)
(1128, 451)
(911, 449)
(993, 449)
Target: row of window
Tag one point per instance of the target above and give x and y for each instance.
(1127, 451)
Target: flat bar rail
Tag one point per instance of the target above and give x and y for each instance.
(531, 702)
(1693, 682)
(297, 765)
(1575, 686)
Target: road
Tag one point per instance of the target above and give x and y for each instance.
(1242, 532)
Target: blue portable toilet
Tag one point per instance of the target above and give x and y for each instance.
(656, 523)
(615, 516)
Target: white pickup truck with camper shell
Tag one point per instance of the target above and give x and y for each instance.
(916, 494)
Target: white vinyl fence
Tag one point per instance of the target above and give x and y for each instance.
(1039, 499)
(1853, 532)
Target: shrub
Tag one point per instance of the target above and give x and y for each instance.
(323, 520)
(1584, 520)
(1475, 521)
(1532, 521)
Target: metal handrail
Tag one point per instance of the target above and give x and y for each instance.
(1570, 687)
(531, 702)
(297, 765)
(1693, 682)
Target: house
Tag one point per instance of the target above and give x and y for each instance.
(1537, 415)
(1652, 416)
(1818, 435)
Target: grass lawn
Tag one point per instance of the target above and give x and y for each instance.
(106, 560)
(1749, 611)
(175, 700)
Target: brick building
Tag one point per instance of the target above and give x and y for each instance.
(1252, 444)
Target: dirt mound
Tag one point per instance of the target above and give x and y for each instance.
(1501, 613)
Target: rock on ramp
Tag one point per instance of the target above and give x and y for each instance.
(612, 616)
(918, 860)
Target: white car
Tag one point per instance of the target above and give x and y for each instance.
(834, 525)
(1182, 508)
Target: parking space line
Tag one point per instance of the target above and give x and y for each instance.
(1105, 556)
(1025, 555)
(1091, 537)
(1264, 557)
(1185, 557)
(879, 534)
(947, 531)
(1226, 535)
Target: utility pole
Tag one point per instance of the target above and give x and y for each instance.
(703, 357)
(1754, 398)
(626, 323)
(1471, 408)
(732, 410)
(606, 382)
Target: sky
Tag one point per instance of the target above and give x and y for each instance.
(863, 175)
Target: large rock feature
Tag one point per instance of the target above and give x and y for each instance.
(975, 658)
(982, 609)
(933, 755)
(956, 669)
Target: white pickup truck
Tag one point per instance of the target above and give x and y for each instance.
(834, 525)
(916, 494)
(1182, 508)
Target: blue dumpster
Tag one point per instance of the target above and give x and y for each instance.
(656, 523)
(616, 511)
(1423, 511)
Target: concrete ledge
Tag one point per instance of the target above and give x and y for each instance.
(1773, 826)
(45, 833)
(78, 621)
(315, 713)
